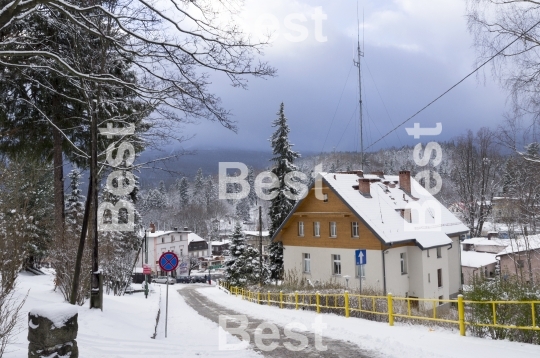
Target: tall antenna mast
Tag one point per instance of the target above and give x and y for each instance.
(357, 64)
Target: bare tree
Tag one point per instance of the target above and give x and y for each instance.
(476, 163)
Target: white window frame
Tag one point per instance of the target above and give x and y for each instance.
(403, 262)
(333, 229)
(317, 228)
(306, 262)
(439, 278)
(336, 264)
(301, 228)
(355, 229)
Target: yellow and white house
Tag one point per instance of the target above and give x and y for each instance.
(412, 241)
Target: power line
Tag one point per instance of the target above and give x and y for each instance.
(335, 112)
(455, 85)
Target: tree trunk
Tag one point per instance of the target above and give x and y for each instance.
(80, 250)
(59, 212)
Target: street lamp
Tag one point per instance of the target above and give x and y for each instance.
(346, 277)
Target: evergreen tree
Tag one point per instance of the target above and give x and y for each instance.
(236, 249)
(281, 205)
(209, 193)
(183, 190)
(198, 190)
(252, 196)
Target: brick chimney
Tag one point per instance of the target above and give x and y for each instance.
(378, 173)
(405, 181)
(152, 228)
(363, 187)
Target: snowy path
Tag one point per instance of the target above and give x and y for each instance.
(212, 311)
(400, 341)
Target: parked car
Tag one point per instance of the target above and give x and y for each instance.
(183, 279)
(164, 279)
(198, 279)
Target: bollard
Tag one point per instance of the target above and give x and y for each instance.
(296, 299)
(280, 299)
(318, 300)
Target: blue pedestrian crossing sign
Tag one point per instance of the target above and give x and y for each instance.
(361, 257)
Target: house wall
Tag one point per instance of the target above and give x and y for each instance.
(321, 266)
(470, 272)
(508, 265)
(454, 266)
(156, 247)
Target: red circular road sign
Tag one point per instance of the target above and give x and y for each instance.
(168, 261)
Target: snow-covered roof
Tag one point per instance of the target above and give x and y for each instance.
(477, 259)
(220, 243)
(482, 241)
(381, 211)
(192, 237)
(159, 233)
(256, 233)
(532, 242)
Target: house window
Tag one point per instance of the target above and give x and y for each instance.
(162, 240)
(307, 263)
(439, 252)
(427, 252)
(325, 198)
(439, 277)
(172, 249)
(333, 229)
(316, 229)
(354, 229)
(403, 262)
(440, 300)
(300, 228)
(181, 252)
(428, 278)
(336, 264)
(360, 270)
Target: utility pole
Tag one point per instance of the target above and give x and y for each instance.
(357, 64)
(260, 247)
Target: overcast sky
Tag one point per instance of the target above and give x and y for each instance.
(414, 51)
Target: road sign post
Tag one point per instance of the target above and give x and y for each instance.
(168, 261)
(361, 259)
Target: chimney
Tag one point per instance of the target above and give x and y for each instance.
(175, 228)
(363, 187)
(152, 228)
(360, 173)
(186, 228)
(405, 181)
(378, 173)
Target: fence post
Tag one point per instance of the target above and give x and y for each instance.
(268, 298)
(346, 298)
(280, 299)
(461, 315)
(318, 300)
(390, 310)
(296, 299)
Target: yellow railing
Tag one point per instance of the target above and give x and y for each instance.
(428, 309)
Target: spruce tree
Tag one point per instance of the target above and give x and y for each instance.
(184, 192)
(281, 205)
(236, 249)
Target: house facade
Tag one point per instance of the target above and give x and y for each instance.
(160, 241)
(411, 240)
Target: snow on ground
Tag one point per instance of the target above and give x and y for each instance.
(126, 324)
(399, 341)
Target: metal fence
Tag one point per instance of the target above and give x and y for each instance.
(406, 308)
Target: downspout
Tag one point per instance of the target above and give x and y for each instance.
(384, 273)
